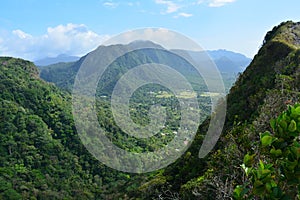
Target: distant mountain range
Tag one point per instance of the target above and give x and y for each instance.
(53, 60)
(63, 72)
(226, 61)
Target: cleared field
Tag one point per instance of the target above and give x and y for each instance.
(183, 94)
(209, 94)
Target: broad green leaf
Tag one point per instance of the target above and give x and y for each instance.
(261, 164)
(275, 152)
(297, 110)
(273, 123)
(265, 172)
(283, 124)
(266, 133)
(298, 153)
(266, 140)
(295, 152)
(237, 192)
(248, 160)
(292, 126)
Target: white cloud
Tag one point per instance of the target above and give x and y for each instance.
(72, 39)
(171, 6)
(175, 6)
(113, 4)
(164, 37)
(21, 34)
(110, 4)
(219, 3)
(182, 14)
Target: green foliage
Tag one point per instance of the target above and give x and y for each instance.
(41, 154)
(277, 173)
(41, 157)
(266, 139)
(268, 85)
(249, 159)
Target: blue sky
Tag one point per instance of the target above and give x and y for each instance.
(34, 29)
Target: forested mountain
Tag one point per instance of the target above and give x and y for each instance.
(229, 64)
(257, 156)
(41, 154)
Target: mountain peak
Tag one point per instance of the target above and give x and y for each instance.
(135, 44)
(144, 44)
(287, 32)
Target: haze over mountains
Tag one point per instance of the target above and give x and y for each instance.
(53, 60)
(226, 61)
(229, 63)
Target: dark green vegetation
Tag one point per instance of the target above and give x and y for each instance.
(273, 170)
(41, 154)
(62, 74)
(255, 133)
(257, 156)
(146, 96)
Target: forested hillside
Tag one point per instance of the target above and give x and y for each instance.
(257, 156)
(41, 154)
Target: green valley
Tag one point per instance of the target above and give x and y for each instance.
(256, 157)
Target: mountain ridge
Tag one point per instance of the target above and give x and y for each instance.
(63, 74)
(61, 58)
(266, 88)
